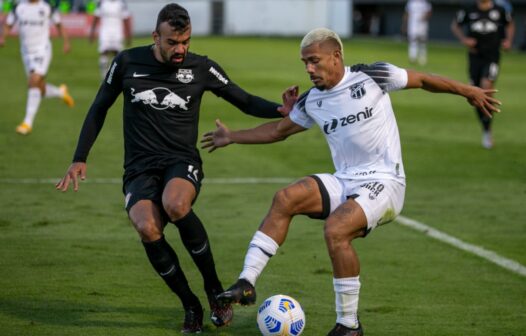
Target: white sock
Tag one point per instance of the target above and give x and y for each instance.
(347, 291)
(104, 63)
(53, 91)
(260, 249)
(33, 102)
(413, 50)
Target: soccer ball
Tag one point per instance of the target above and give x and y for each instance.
(281, 315)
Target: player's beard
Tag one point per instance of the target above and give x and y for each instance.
(169, 59)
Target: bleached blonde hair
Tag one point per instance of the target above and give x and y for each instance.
(320, 35)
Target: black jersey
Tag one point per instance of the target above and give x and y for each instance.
(161, 107)
(486, 27)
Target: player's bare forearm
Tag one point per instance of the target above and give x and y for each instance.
(266, 133)
(478, 97)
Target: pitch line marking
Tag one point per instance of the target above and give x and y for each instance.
(481, 252)
(491, 256)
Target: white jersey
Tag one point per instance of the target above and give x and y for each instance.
(111, 14)
(357, 119)
(33, 19)
(417, 20)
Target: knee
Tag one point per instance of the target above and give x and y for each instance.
(177, 209)
(283, 202)
(335, 238)
(148, 230)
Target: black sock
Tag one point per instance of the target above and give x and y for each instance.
(195, 239)
(164, 260)
(484, 120)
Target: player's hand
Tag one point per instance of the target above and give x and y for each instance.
(216, 139)
(76, 170)
(2, 41)
(483, 100)
(506, 44)
(289, 97)
(469, 42)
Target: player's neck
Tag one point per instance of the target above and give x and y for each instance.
(485, 5)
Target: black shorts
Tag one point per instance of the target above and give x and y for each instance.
(150, 184)
(482, 67)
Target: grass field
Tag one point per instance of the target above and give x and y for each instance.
(71, 264)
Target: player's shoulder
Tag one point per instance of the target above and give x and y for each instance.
(198, 60)
(139, 54)
(370, 68)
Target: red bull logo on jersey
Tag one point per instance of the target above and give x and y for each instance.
(332, 125)
(150, 97)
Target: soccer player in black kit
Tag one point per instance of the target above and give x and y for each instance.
(488, 28)
(162, 85)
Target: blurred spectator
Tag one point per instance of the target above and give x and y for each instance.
(415, 25)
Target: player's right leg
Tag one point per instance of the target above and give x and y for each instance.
(142, 202)
(302, 197)
(34, 96)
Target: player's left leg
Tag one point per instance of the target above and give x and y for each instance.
(412, 49)
(179, 193)
(487, 81)
(370, 204)
(105, 58)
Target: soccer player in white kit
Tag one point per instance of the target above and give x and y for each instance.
(114, 22)
(351, 106)
(33, 18)
(416, 25)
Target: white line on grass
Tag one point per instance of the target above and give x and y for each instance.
(240, 180)
(491, 256)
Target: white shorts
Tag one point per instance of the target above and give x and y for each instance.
(110, 44)
(381, 200)
(37, 61)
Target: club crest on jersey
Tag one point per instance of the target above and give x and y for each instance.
(185, 76)
(170, 99)
(357, 90)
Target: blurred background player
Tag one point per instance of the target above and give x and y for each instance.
(113, 19)
(416, 25)
(488, 28)
(33, 18)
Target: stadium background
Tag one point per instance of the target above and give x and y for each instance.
(286, 17)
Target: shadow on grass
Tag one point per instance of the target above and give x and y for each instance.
(81, 314)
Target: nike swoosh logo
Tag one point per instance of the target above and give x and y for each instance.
(140, 75)
(169, 271)
(201, 250)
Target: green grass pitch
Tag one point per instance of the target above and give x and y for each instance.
(71, 264)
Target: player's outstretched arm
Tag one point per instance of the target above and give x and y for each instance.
(479, 98)
(266, 133)
(76, 170)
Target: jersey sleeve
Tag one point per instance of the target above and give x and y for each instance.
(106, 96)
(388, 76)
(218, 82)
(299, 113)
